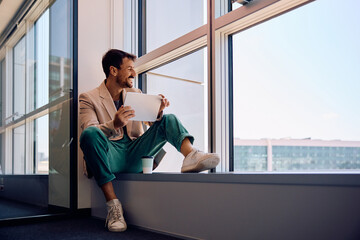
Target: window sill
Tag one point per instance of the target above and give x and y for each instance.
(319, 179)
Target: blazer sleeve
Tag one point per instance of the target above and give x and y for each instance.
(88, 117)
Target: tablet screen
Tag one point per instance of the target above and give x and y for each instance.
(146, 106)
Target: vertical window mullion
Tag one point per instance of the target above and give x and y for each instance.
(211, 73)
(142, 40)
(231, 106)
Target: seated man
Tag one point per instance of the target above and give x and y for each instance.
(113, 143)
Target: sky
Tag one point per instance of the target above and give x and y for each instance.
(298, 75)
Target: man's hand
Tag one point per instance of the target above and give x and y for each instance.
(164, 103)
(122, 116)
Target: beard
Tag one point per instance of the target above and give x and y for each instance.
(126, 83)
(130, 82)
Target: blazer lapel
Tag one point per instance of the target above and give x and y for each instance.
(107, 100)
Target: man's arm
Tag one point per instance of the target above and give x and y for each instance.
(88, 117)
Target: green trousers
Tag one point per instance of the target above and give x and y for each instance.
(104, 157)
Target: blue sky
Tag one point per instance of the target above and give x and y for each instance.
(298, 75)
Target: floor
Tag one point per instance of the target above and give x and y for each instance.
(71, 229)
(13, 209)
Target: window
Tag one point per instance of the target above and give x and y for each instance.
(165, 27)
(295, 84)
(19, 150)
(41, 145)
(40, 57)
(2, 79)
(19, 79)
(60, 62)
(183, 77)
(272, 103)
(38, 87)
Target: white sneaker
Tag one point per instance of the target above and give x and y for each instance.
(115, 220)
(197, 161)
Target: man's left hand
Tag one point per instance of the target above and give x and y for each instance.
(164, 103)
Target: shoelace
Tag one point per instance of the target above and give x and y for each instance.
(113, 214)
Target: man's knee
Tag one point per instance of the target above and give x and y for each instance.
(90, 136)
(170, 117)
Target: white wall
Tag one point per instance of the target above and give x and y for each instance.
(100, 28)
(207, 210)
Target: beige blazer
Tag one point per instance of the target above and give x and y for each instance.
(97, 109)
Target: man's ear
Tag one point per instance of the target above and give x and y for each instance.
(113, 71)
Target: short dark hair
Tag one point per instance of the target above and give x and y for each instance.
(114, 57)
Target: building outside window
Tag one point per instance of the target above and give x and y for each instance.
(295, 88)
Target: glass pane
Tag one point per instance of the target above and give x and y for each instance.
(38, 87)
(19, 150)
(19, 79)
(2, 95)
(167, 20)
(299, 98)
(129, 28)
(60, 86)
(60, 64)
(186, 76)
(2, 154)
(42, 145)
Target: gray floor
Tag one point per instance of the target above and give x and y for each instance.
(71, 229)
(13, 209)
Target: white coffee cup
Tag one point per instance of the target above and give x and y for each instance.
(147, 164)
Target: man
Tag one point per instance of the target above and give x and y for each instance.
(113, 143)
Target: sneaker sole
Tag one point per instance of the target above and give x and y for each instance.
(203, 165)
(117, 230)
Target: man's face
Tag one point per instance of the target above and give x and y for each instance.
(126, 74)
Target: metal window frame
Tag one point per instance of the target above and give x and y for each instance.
(252, 14)
(215, 35)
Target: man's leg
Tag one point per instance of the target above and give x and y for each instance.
(108, 191)
(169, 129)
(186, 147)
(99, 154)
(95, 147)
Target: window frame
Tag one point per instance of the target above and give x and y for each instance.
(217, 35)
(231, 23)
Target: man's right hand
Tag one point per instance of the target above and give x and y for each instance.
(122, 116)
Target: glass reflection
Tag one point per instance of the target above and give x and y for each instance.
(60, 49)
(60, 85)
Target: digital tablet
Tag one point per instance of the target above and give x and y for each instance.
(146, 106)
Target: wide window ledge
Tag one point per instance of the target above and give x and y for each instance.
(318, 179)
